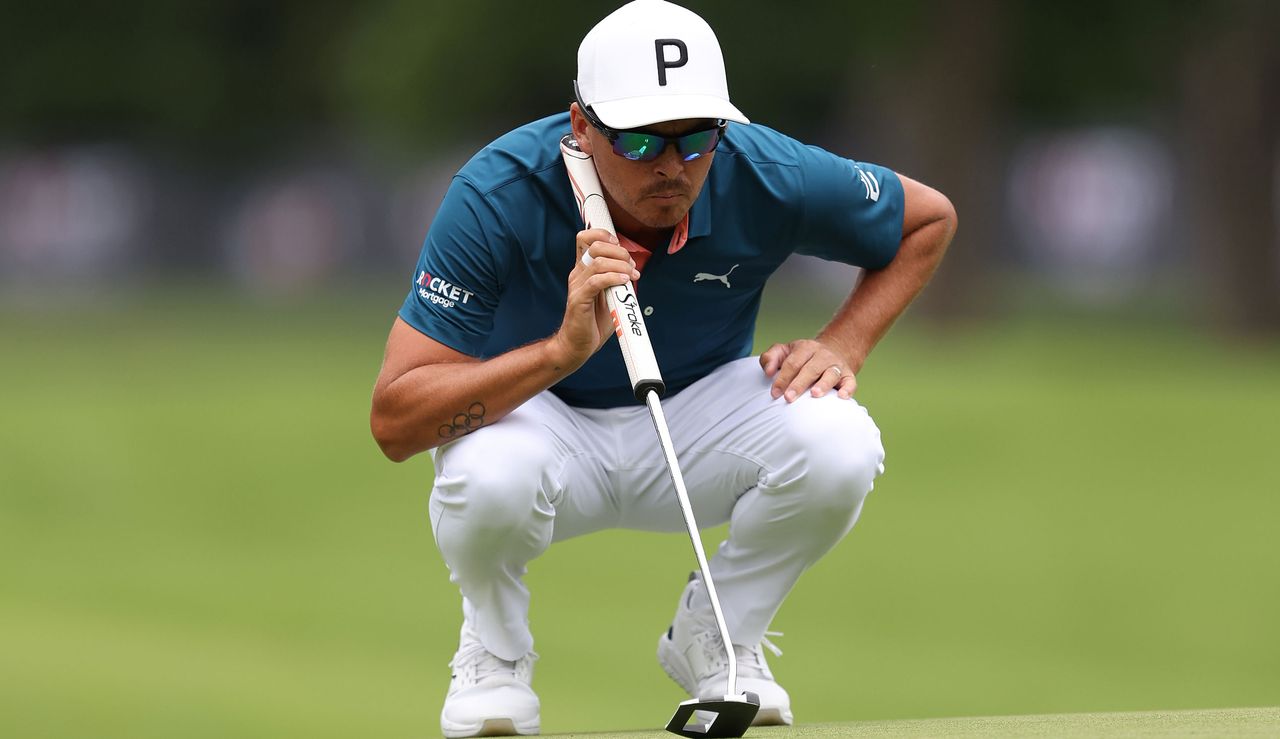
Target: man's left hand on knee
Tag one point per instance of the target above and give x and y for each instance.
(807, 365)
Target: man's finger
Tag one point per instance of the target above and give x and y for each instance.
(771, 359)
(604, 250)
(797, 358)
(805, 378)
(590, 236)
(830, 378)
(625, 266)
(848, 385)
(594, 237)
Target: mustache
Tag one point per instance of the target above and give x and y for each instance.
(667, 188)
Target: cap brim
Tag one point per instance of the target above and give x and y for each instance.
(644, 111)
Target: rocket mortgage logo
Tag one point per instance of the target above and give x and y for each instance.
(440, 291)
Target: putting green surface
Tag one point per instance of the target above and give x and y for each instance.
(198, 538)
(1236, 722)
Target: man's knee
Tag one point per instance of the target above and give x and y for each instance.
(492, 486)
(834, 448)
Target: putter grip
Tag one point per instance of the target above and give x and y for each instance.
(624, 307)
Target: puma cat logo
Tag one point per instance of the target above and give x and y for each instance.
(722, 278)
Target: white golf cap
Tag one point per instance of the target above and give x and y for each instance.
(652, 61)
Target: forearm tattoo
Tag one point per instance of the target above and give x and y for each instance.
(464, 423)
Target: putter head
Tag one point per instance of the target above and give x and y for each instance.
(726, 717)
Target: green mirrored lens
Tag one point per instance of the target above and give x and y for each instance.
(638, 147)
(696, 144)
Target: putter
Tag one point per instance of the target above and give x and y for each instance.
(731, 715)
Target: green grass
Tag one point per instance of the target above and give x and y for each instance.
(199, 538)
(1214, 723)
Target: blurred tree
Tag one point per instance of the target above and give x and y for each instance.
(968, 75)
(1230, 120)
(231, 78)
(940, 108)
(1091, 61)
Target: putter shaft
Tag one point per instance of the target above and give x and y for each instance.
(673, 465)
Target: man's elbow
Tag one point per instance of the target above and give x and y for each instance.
(940, 214)
(390, 436)
(936, 225)
(949, 217)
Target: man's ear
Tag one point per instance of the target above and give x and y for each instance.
(581, 128)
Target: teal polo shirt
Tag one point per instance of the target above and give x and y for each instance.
(493, 271)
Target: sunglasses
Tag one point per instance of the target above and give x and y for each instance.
(639, 146)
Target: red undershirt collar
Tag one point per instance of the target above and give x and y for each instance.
(641, 255)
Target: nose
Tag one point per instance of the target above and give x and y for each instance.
(669, 164)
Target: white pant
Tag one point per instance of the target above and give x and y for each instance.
(789, 479)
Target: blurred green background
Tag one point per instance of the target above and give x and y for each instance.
(208, 213)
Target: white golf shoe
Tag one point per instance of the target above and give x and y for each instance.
(692, 653)
(489, 696)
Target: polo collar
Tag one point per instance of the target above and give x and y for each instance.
(700, 214)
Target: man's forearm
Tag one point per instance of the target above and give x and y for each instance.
(883, 295)
(430, 405)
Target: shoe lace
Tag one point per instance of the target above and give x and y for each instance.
(751, 661)
(474, 664)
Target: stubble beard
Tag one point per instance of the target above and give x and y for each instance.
(665, 218)
(657, 214)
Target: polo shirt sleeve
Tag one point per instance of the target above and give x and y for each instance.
(851, 212)
(459, 277)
